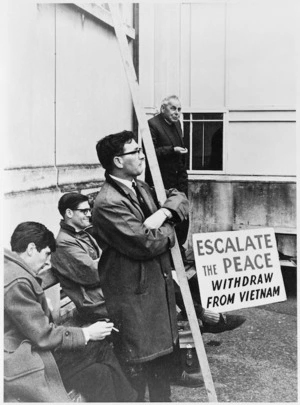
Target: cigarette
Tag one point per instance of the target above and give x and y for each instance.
(117, 330)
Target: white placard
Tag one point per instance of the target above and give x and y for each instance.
(238, 269)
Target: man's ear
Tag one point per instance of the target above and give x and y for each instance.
(30, 248)
(69, 213)
(118, 161)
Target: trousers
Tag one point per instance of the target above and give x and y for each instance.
(195, 292)
(95, 372)
(155, 375)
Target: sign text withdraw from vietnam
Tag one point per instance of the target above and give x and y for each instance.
(238, 269)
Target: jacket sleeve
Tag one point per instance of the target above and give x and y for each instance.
(177, 202)
(27, 314)
(118, 226)
(161, 151)
(74, 263)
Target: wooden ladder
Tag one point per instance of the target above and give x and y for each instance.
(161, 195)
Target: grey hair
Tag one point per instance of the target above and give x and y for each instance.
(166, 100)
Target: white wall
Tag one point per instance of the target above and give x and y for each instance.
(30, 135)
(261, 148)
(93, 98)
(66, 90)
(207, 55)
(231, 56)
(261, 55)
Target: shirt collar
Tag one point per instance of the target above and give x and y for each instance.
(127, 183)
(71, 229)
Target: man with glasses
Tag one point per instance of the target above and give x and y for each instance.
(135, 236)
(77, 256)
(76, 262)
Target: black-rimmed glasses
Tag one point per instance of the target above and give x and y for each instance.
(85, 211)
(139, 151)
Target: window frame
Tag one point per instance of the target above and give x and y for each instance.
(197, 110)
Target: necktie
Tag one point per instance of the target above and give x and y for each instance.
(141, 201)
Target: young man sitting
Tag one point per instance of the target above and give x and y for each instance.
(42, 361)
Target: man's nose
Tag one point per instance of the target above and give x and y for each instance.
(89, 214)
(48, 261)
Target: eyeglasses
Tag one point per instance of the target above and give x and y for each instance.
(85, 211)
(139, 151)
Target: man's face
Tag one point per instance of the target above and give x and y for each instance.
(172, 111)
(80, 217)
(41, 259)
(133, 163)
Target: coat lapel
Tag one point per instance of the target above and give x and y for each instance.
(152, 207)
(169, 133)
(130, 195)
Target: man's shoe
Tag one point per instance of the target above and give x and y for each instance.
(189, 380)
(226, 322)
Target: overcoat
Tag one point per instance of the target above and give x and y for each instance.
(135, 269)
(76, 263)
(30, 371)
(172, 165)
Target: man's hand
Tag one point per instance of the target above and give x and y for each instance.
(98, 330)
(156, 220)
(180, 150)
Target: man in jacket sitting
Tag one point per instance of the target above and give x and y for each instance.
(77, 256)
(42, 360)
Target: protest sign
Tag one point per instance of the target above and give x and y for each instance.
(238, 269)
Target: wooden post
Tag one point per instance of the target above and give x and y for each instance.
(161, 195)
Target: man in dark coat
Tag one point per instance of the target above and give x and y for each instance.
(42, 360)
(167, 138)
(135, 236)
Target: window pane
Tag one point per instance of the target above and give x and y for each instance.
(206, 144)
(186, 140)
(213, 116)
(213, 149)
(198, 116)
(207, 116)
(197, 146)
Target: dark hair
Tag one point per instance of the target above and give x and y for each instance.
(111, 145)
(32, 232)
(72, 201)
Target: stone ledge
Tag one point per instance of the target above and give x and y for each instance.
(18, 180)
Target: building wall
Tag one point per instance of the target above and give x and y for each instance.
(67, 89)
(222, 205)
(237, 58)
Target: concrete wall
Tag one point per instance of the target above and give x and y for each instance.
(67, 89)
(230, 205)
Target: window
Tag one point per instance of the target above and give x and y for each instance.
(203, 136)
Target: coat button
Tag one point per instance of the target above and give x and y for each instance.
(67, 333)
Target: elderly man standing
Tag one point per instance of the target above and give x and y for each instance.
(135, 236)
(167, 138)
